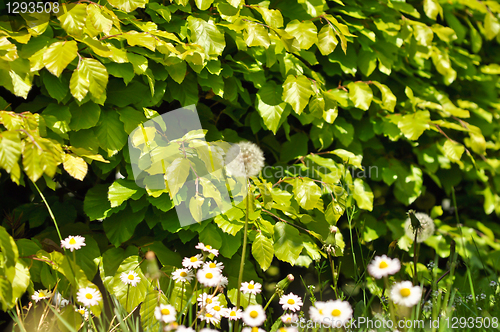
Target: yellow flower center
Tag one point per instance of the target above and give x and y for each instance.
(212, 265)
(209, 315)
(41, 294)
(232, 314)
(282, 329)
(81, 311)
(209, 300)
(288, 319)
(255, 329)
(383, 265)
(208, 247)
(250, 286)
(72, 241)
(183, 274)
(405, 292)
(217, 308)
(131, 277)
(254, 314)
(336, 312)
(89, 296)
(193, 259)
(209, 275)
(320, 311)
(165, 311)
(290, 301)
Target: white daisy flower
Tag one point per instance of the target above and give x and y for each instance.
(216, 310)
(183, 275)
(83, 311)
(193, 262)
(88, 296)
(251, 287)
(73, 242)
(130, 278)
(184, 329)
(205, 299)
(318, 311)
(426, 229)
(209, 318)
(338, 312)
(405, 294)
(41, 294)
(207, 248)
(291, 302)
(233, 313)
(208, 278)
(244, 159)
(289, 318)
(165, 313)
(223, 282)
(382, 266)
(214, 265)
(252, 329)
(254, 315)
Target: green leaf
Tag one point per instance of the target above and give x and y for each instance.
(121, 190)
(297, 91)
(343, 131)
(263, 251)
(99, 18)
(453, 150)
(119, 227)
(9, 255)
(363, 195)
(206, 35)
(85, 116)
(148, 319)
(88, 257)
(128, 5)
(307, 193)
(388, 98)
(491, 26)
(110, 133)
(59, 55)
(360, 94)
(96, 204)
(195, 204)
(203, 4)
(176, 175)
(327, 41)
(287, 243)
(413, 125)
(443, 65)
(256, 35)
(21, 281)
(72, 18)
(10, 150)
(211, 236)
(367, 62)
(270, 105)
(90, 75)
(304, 32)
(57, 88)
(177, 69)
(432, 8)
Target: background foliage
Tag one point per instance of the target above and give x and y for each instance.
(406, 89)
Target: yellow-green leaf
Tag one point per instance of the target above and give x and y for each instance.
(297, 91)
(75, 166)
(72, 18)
(305, 32)
(128, 5)
(59, 55)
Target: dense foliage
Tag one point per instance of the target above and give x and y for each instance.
(383, 105)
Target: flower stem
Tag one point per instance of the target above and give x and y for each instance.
(50, 210)
(182, 298)
(391, 304)
(270, 300)
(126, 303)
(244, 250)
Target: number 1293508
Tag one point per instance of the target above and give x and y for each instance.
(30, 7)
